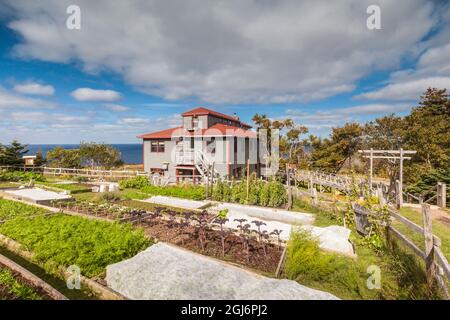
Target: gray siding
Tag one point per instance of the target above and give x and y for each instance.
(156, 159)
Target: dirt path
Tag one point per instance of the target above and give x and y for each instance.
(437, 214)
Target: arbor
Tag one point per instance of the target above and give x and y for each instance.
(12, 155)
(385, 133)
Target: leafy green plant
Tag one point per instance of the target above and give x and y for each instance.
(18, 176)
(193, 192)
(12, 209)
(278, 195)
(15, 287)
(62, 240)
(136, 183)
(111, 196)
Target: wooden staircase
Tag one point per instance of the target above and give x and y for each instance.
(205, 167)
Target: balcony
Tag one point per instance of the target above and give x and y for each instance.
(184, 156)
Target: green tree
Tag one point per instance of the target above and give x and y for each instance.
(330, 154)
(64, 158)
(428, 130)
(100, 155)
(40, 160)
(385, 133)
(12, 155)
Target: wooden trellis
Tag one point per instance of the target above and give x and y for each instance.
(393, 156)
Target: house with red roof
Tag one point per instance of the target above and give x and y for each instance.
(206, 144)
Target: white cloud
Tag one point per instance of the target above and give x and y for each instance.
(374, 109)
(9, 100)
(134, 121)
(88, 94)
(226, 51)
(34, 88)
(406, 89)
(116, 107)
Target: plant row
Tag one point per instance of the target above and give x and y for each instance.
(254, 192)
(60, 240)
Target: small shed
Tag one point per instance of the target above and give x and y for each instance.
(29, 160)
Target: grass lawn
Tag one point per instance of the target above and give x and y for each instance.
(439, 229)
(73, 188)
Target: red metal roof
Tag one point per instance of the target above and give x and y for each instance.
(201, 111)
(217, 130)
(164, 134)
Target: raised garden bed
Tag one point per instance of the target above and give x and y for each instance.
(14, 287)
(235, 247)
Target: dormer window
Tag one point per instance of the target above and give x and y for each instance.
(195, 123)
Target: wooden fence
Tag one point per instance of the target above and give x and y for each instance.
(91, 173)
(437, 266)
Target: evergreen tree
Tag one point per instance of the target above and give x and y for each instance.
(12, 155)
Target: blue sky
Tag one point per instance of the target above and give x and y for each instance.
(135, 66)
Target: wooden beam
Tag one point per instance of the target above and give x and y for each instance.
(408, 242)
(389, 151)
(442, 261)
(281, 262)
(413, 226)
(387, 157)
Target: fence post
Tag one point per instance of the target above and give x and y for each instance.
(381, 196)
(398, 194)
(441, 195)
(429, 245)
(288, 186)
(314, 196)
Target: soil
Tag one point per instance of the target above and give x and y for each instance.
(188, 238)
(438, 215)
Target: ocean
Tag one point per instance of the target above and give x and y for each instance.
(131, 153)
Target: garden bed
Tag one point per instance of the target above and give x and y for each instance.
(246, 250)
(37, 195)
(14, 287)
(168, 272)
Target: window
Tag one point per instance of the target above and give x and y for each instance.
(211, 145)
(157, 146)
(194, 123)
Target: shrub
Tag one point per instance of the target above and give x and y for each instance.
(264, 196)
(278, 194)
(136, 183)
(18, 176)
(217, 193)
(110, 196)
(181, 191)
